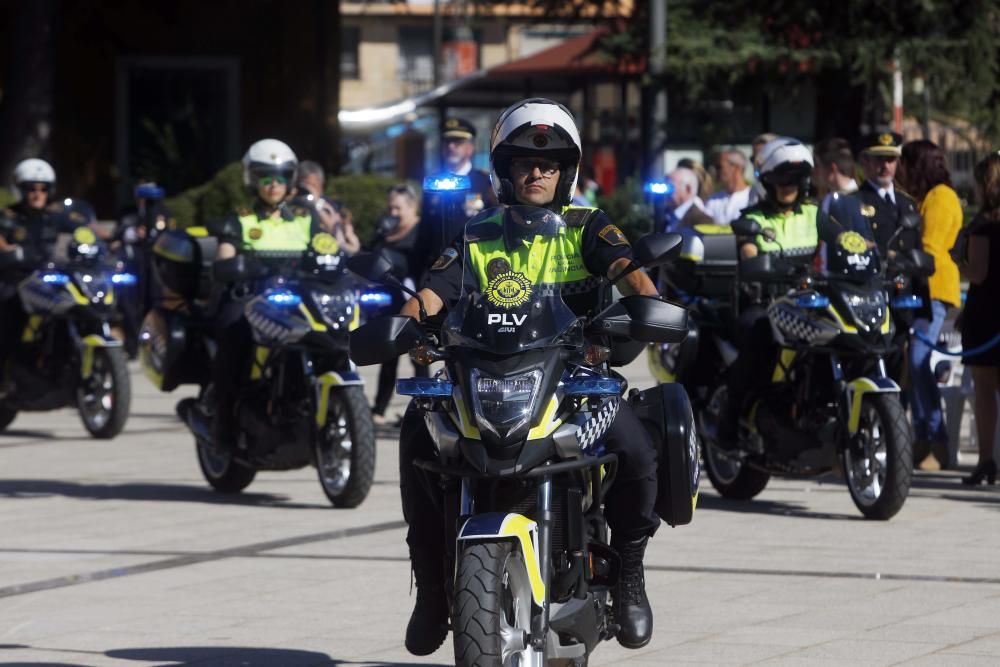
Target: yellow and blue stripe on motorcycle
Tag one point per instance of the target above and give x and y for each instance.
(323, 384)
(88, 345)
(495, 526)
(654, 359)
(856, 390)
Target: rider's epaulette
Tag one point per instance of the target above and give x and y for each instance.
(243, 211)
(300, 211)
(577, 216)
(483, 231)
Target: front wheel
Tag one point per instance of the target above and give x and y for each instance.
(222, 471)
(103, 399)
(492, 607)
(729, 473)
(345, 448)
(878, 462)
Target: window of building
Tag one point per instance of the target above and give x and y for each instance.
(416, 55)
(350, 61)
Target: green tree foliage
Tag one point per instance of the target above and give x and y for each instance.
(954, 45)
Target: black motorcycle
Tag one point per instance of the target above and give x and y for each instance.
(303, 402)
(517, 417)
(829, 403)
(66, 356)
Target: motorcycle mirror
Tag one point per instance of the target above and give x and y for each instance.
(657, 249)
(371, 266)
(746, 227)
(910, 220)
(922, 262)
(384, 339)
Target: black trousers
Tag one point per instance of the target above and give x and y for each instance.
(629, 506)
(235, 343)
(755, 363)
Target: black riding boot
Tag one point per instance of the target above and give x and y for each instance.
(632, 611)
(428, 626)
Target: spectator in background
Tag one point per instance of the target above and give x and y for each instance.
(979, 259)
(396, 238)
(833, 176)
(586, 192)
(310, 187)
(687, 209)
(923, 171)
(705, 185)
(725, 206)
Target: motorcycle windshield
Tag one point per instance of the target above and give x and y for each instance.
(849, 258)
(502, 309)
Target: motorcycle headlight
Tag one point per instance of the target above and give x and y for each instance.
(868, 309)
(337, 309)
(504, 405)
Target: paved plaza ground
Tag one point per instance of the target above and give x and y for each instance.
(116, 553)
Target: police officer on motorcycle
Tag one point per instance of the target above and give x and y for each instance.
(33, 224)
(270, 223)
(535, 156)
(792, 226)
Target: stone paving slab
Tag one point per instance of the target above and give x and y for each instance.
(131, 560)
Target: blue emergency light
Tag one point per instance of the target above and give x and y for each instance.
(659, 188)
(149, 191)
(124, 279)
(284, 298)
(376, 299)
(447, 183)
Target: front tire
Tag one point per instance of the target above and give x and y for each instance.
(492, 608)
(222, 471)
(104, 398)
(731, 477)
(7, 415)
(345, 448)
(878, 462)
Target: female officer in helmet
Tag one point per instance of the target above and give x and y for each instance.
(535, 157)
(793, 225)
(270, 223)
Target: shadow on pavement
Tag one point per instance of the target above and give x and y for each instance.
(181, 656)
(710, 501)
(33, 488)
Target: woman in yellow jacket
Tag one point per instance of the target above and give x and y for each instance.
(923, 171)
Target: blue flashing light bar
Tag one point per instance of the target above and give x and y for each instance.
(55, 278)
(447, 183)
(908, 302)
(376, 299)
(424, 387)
(284, 298)
(592, 387)
(149, 191)
(659, 188)
(124, 279)
(812, 300)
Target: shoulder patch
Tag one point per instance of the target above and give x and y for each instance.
(447, 258)
(613, 236)
(243, 211)
(300, 211)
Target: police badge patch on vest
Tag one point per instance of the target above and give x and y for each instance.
(255, 233)
(613, 236)
(448, 255)
(496, 267)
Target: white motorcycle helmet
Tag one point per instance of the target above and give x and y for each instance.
(268, 157)
(783, 161)
(33, 170)
(535, 127)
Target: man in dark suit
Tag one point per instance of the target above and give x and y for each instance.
(885, 205)
(438, 227)
(687, 208)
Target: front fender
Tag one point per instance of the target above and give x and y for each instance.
(327, 380)
(87, 346)
(856, 390)
(498, 526)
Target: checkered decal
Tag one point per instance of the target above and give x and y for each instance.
(594, 428)
(793, 325)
